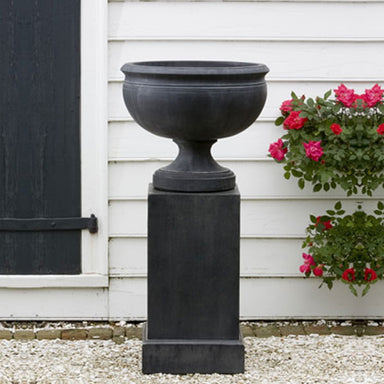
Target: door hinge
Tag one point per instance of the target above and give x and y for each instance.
(50, 224)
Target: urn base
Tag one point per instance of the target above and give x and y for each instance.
(183, 181)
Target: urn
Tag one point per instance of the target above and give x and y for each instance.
(195, 103)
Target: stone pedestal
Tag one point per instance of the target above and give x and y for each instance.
(193, 283)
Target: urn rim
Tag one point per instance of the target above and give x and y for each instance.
(195, 67)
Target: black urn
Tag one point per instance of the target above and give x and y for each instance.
(194, 103)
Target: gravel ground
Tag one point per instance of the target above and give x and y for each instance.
(275, 360)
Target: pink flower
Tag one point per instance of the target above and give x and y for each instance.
(277, 151)
(313, 150)
(286, 106)
(380, 129)
(346, 96)
(318, 270)
(294, 121)
(336, 129)
(373, 96)
(308, 261)
(349, 274)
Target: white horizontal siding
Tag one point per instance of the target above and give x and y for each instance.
(247, 1)
(259, 257)
(259, 218)
(256, 178)
(54, 304)
(284, 58)
(306, 54)
(127, 141)
(265, 298)
(245, 20)
(277, 92)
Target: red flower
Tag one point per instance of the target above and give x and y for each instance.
(277, 151)
(318, 270)
(380, 129)
(349, 274)
(327, 224)
(294, 121)
(336, 129)
(286, 106)
(373, 96)
(369, 274)
(313, 150)
(346, 96)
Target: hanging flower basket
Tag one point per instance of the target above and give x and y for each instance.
(349, 248)
(330, 142)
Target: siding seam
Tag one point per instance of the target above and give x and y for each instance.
(353, 40)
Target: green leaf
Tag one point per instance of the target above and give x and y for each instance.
(317, 188)
(296, 173)
(330, 212)
(313, 219)
(325, 176)
(338, 205)
(279, 120)
(380, 205)
(301, 183)
(336, 108)
(327, 94)
(366, 289)
(287, 175)
(310, 102)
(352, 289)
(307, 177)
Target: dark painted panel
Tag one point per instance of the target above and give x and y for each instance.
(39, 132)
(193, 265)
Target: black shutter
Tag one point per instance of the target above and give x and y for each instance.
(39, 134)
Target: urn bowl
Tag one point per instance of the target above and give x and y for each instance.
(194, 103)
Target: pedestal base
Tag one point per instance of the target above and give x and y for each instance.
(193, 283)
(192, 356)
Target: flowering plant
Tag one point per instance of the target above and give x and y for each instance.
(349, 248)
(330, 142)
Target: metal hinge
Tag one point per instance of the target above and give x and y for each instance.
(50, 224)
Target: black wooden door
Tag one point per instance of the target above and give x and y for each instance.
(40, 133)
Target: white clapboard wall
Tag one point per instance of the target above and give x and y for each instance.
(310, 47)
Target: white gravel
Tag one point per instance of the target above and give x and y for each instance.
(276, 360)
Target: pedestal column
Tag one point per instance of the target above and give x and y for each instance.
(193, 283)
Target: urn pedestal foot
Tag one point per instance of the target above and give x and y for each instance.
(193, 283)
(192, 356)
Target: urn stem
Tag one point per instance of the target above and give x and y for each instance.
(194, 169)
